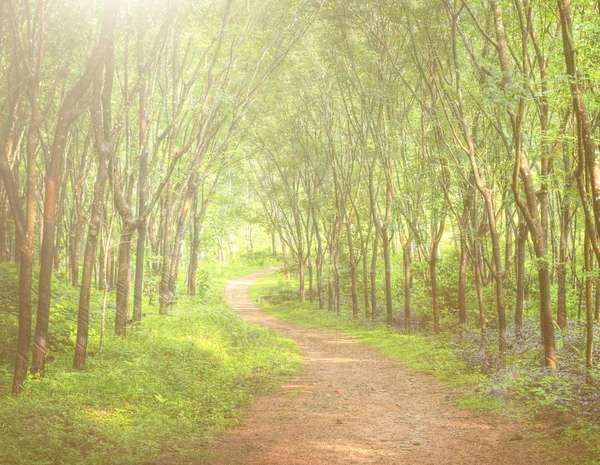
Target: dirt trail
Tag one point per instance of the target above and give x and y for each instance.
(352, 405)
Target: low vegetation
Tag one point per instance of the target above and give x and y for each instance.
(560, 404)
(175, 382)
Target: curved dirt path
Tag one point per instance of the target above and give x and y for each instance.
(352, 405)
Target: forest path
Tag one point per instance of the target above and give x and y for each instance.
(352, 405)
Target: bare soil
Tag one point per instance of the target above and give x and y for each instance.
(352, 405)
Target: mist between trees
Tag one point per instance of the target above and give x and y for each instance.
(138, 138)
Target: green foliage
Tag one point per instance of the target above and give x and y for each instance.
(424, 353)
(165, 390)
(9, 291)
(521, 390)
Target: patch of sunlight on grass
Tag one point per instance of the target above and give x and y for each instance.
(430, 354)
(419, 352)
(175, 382)
(486, 404)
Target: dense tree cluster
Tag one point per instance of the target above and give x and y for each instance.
(119, 118)
(353, 131)
(411, 125)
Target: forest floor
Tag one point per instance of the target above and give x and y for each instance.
(353, 405)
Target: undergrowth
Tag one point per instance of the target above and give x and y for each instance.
(469, 363)
(165, 391)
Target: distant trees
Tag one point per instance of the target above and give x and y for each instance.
(137, 104)
(357, 132)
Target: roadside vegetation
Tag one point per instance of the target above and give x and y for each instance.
(559, 408)
(165, 391)
(430, 164)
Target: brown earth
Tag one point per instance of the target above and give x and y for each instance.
(352, 405)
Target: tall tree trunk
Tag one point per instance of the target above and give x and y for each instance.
(319, 260)
(165, 298)
(301, 278)
(143, 227)
(520, 275)
(70, 110)
(478, 290)
(194, 247)
(462, 281)
(437, 233)
(406, 260)
(274, 241)
(365, 272)
(95, 224)
(123, 281)
(561, 268)
(374, 255)
(179, 232)
(309, 265)
(353, 277)
(24, 231)
(434, 289)
(385, 242)
(589, 309)
(286, 262)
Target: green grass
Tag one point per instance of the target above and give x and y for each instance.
(435, 355)
(292, 394)
(417, 351)
(166, 390)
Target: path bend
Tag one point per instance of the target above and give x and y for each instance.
(352, 405)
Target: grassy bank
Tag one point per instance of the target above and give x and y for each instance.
(165, 391)
(509, 396)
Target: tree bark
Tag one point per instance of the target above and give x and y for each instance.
(103, 147)
(123, 283)
(520, 250)
(70, 110)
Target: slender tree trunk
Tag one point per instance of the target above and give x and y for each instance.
(406, 259)
(95, 225)
(75, 240)
(24, 231)
(123, 282)
(520, 275)
(301, 279)
(374, 255)
(179, 232)
(319, 267)
(437, 233)
(508, 244)
(388, 276)
(286, 262)
(353, 277)
(338, 288)
(194, 247)
(143, 227)
(597, 304)
(561, 268)
(310, 277)
(434, 290)
(462, 281)
(498, 274)
(165, 298)
(365, 271)
(274, 241)
(589, 310)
